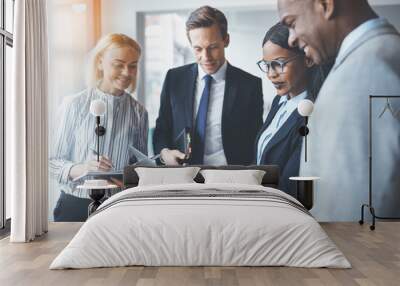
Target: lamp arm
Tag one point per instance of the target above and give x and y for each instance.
(98, 138)
(305, 139)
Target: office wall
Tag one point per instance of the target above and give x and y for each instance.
(249, 20)
(119, 15)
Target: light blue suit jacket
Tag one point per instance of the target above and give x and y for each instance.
(338, 140)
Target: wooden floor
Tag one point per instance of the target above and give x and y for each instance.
(374, 255)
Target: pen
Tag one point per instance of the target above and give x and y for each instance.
(95, 153)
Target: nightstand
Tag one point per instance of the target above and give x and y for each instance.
(96, 194)
(305, 190)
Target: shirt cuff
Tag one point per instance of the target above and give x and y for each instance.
(64, 177)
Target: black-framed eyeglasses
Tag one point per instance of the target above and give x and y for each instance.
(277, 66)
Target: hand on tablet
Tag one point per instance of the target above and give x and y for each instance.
(117, 182)
(105, 164)
(172, 157)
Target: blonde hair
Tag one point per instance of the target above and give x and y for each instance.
(94, 75)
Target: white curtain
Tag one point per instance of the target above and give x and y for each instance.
(27, 154)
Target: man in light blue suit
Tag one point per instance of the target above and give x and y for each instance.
(366, 51)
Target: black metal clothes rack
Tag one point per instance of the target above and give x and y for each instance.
(370, 205)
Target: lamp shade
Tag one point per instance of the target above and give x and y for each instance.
(305, 107)
(97, 107)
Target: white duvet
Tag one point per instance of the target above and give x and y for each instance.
(185, 231)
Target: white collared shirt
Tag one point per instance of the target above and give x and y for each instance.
(287, 107)
(213, 149)
(357, 34)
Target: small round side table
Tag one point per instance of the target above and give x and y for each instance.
(305, 190)
(96, 194)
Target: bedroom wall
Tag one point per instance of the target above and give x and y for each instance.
(248, 21)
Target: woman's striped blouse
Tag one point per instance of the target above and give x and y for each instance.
(125, 121)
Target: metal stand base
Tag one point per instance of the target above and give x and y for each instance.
(374, 216)
(372, 211)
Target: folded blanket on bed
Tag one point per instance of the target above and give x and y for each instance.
(205, 194)
(201, 224)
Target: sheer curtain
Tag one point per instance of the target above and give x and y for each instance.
(27, 153)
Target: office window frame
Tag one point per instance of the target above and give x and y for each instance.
(6, 39)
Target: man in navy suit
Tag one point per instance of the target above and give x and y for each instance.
(221, 104)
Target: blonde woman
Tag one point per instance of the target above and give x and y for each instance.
(112, 71)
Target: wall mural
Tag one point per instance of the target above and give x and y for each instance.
(196, 106)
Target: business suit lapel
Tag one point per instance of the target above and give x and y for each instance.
(270, 116)
(189, 90)
(285, 128)
(290, 123)
(231, 86)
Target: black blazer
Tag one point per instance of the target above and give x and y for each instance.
(284, 149)
(241, 114)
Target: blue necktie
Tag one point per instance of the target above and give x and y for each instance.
(199, 135)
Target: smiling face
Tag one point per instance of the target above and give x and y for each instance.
(310, 28)
(119, 67)
(294, 78)
(209, 47)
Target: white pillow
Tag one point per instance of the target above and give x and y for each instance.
(164, 176)
(248, 177)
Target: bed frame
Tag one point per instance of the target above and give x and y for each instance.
(270, 179)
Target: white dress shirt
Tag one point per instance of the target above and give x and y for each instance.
(287, 107)
(213, 149)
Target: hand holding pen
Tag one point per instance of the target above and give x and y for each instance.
(104, 163)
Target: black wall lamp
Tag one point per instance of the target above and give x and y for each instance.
(305, 108)
(98, 108)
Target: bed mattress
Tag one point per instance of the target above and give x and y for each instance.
(201, 225)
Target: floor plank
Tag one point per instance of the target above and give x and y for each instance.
(374, 255)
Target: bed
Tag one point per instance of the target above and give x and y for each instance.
(201, 224)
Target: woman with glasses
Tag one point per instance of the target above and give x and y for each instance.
(294, 77)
